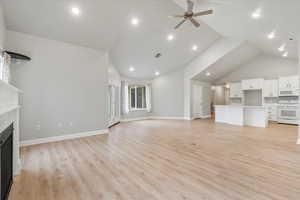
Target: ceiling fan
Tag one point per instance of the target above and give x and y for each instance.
(189, 15)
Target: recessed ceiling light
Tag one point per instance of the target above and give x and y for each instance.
(135, 21)
(207, 74)
(256, 14)
(131, 69)
(282, 48)
(194, 47)
(285, 54)
(170, 37)
(271, 35)
(157, 73)
(75, 11)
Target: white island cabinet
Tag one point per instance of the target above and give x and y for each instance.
(256, 116)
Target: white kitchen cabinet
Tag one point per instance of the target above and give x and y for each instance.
(289, 86)
(289, 82)
(253, 84)
(235, 90)
(270, 88)
(272, 112)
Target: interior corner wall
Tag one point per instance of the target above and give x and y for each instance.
(168, 95)
(264, 66)
(2, 28)
(220, 48)
(298, 141)
(114, 79)
(64, 87)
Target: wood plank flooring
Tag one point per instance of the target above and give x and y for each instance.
(165, 160)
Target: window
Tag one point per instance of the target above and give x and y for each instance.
(137, 97)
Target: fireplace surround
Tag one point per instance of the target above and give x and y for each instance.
(6, 161)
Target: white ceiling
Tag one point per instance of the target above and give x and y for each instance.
(99, 26)
(233, 19)
(106, 25)
(138, 49)
(228, 63)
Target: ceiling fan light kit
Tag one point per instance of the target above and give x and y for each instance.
(190, 15)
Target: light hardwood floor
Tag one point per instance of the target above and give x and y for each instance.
(165, 160)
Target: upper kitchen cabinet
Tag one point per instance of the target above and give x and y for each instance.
(235, 90)
(270, 88)
(253, 84)
(289, 86)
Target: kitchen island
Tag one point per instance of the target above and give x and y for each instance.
(239, 115)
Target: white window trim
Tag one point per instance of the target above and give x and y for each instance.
(129, 96)
(1, 67)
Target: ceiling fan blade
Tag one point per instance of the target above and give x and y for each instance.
(195, 22)
(190, 6)
(207, 12)
(178, 25)
(177, 16)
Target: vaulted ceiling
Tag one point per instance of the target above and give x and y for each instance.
(230, 62)
(233, 18)
(105, 25)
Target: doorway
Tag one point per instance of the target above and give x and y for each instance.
(113, 105)
(201, 100)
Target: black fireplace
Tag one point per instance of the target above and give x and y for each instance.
(6, 161)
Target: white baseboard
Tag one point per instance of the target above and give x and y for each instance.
(134, 119)
(206, 116)
(154, 117)
(188, 118)
(62, 137)
(167, 118)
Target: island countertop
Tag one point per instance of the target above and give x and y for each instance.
(242, 115)
(241, 106)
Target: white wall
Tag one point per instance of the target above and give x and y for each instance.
(65, 87)
(136, 114)
(265, 66)
(2, 28)
(168, 95)
(298, 142)
(114, 79)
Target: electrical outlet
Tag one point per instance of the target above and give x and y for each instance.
(70, 124)
(59, 125)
